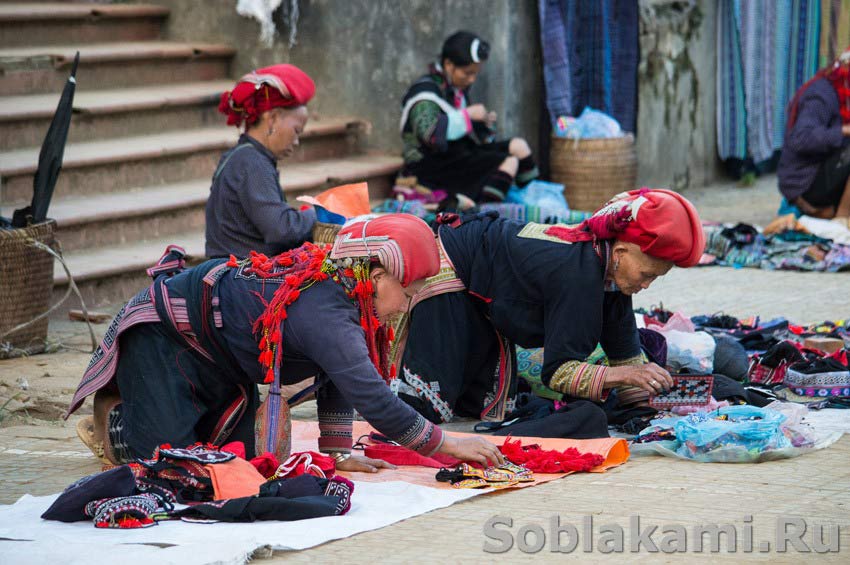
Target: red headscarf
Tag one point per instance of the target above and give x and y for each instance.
(278, 86)
(661, 222)
(838, 74)
(402, 243)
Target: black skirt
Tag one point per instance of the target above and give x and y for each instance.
(464, 167)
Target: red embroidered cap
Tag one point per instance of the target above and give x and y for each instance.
(403, 243)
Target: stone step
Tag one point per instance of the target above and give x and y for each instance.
(45, 68)
(152, 212)
(53, 22)
(111, 275)
(114, 165)
(106, 114)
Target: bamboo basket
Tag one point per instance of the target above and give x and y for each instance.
(324, 233)
(26, 285)
(593, 170)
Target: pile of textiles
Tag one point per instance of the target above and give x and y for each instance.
(744, 245)
(752, 362)
(513, 211)
(734, 434)
(208, 484)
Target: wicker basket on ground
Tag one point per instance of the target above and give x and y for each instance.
(325, 233)
(26, 285)
(593, 170)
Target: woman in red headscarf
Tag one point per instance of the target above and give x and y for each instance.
(814, 169)
(566, 289)
(182, 361)
(246, 210)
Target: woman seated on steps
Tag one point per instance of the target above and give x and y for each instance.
(246, 209)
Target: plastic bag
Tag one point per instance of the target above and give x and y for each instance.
(693, 352)
(591, 124)
(746, 433)
(548, 196)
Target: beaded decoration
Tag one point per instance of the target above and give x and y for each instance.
(301, 268)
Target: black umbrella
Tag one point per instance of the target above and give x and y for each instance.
(50, 158)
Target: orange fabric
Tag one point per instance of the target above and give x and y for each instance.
(614, 450)
(235, 479)
(350, 200)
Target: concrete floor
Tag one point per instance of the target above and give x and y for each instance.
(40, 455)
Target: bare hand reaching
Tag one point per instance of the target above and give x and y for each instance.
(363, 464)
(475, 449)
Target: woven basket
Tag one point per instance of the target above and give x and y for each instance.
(325, 233)
(26, 284)
(593, 170)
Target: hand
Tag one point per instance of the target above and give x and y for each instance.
(361, 464)
(475, 449)
(845, 130)
(649, 377)
(477, 113)
(491, 118)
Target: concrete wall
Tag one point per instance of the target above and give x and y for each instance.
(363, 54)
(677, 138)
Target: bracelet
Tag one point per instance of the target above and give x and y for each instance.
(339, 456)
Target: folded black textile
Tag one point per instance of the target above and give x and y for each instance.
(71, 504)
(252, 508)
(579, 419)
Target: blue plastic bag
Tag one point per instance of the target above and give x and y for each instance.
(548, 196)
(748, 432)
(591, 124)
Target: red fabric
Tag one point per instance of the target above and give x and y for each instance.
(549, 460)
(400, 455)
(306, 462)
(277, 86)
(420, 258)
(663, 223)
(838, 74)
(237, 448)
(266, 464)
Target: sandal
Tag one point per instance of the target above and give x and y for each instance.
(85, 431)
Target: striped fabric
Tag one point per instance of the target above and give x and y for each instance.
(580, 380)
(590, 57)
(766, 50)
(335, 431)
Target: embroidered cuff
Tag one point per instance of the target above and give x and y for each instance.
(630, 394)
(422, 437)
(579, 379)
(636, 360)
(335, 431)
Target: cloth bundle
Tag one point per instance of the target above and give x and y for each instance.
(218, 485)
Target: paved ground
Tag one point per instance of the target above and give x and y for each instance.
(40, 454)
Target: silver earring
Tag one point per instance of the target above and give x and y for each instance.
(616, 264)
(271, 131)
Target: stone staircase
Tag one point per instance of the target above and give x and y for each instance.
(144, 141)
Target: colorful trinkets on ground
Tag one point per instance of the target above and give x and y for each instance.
(506, 475)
